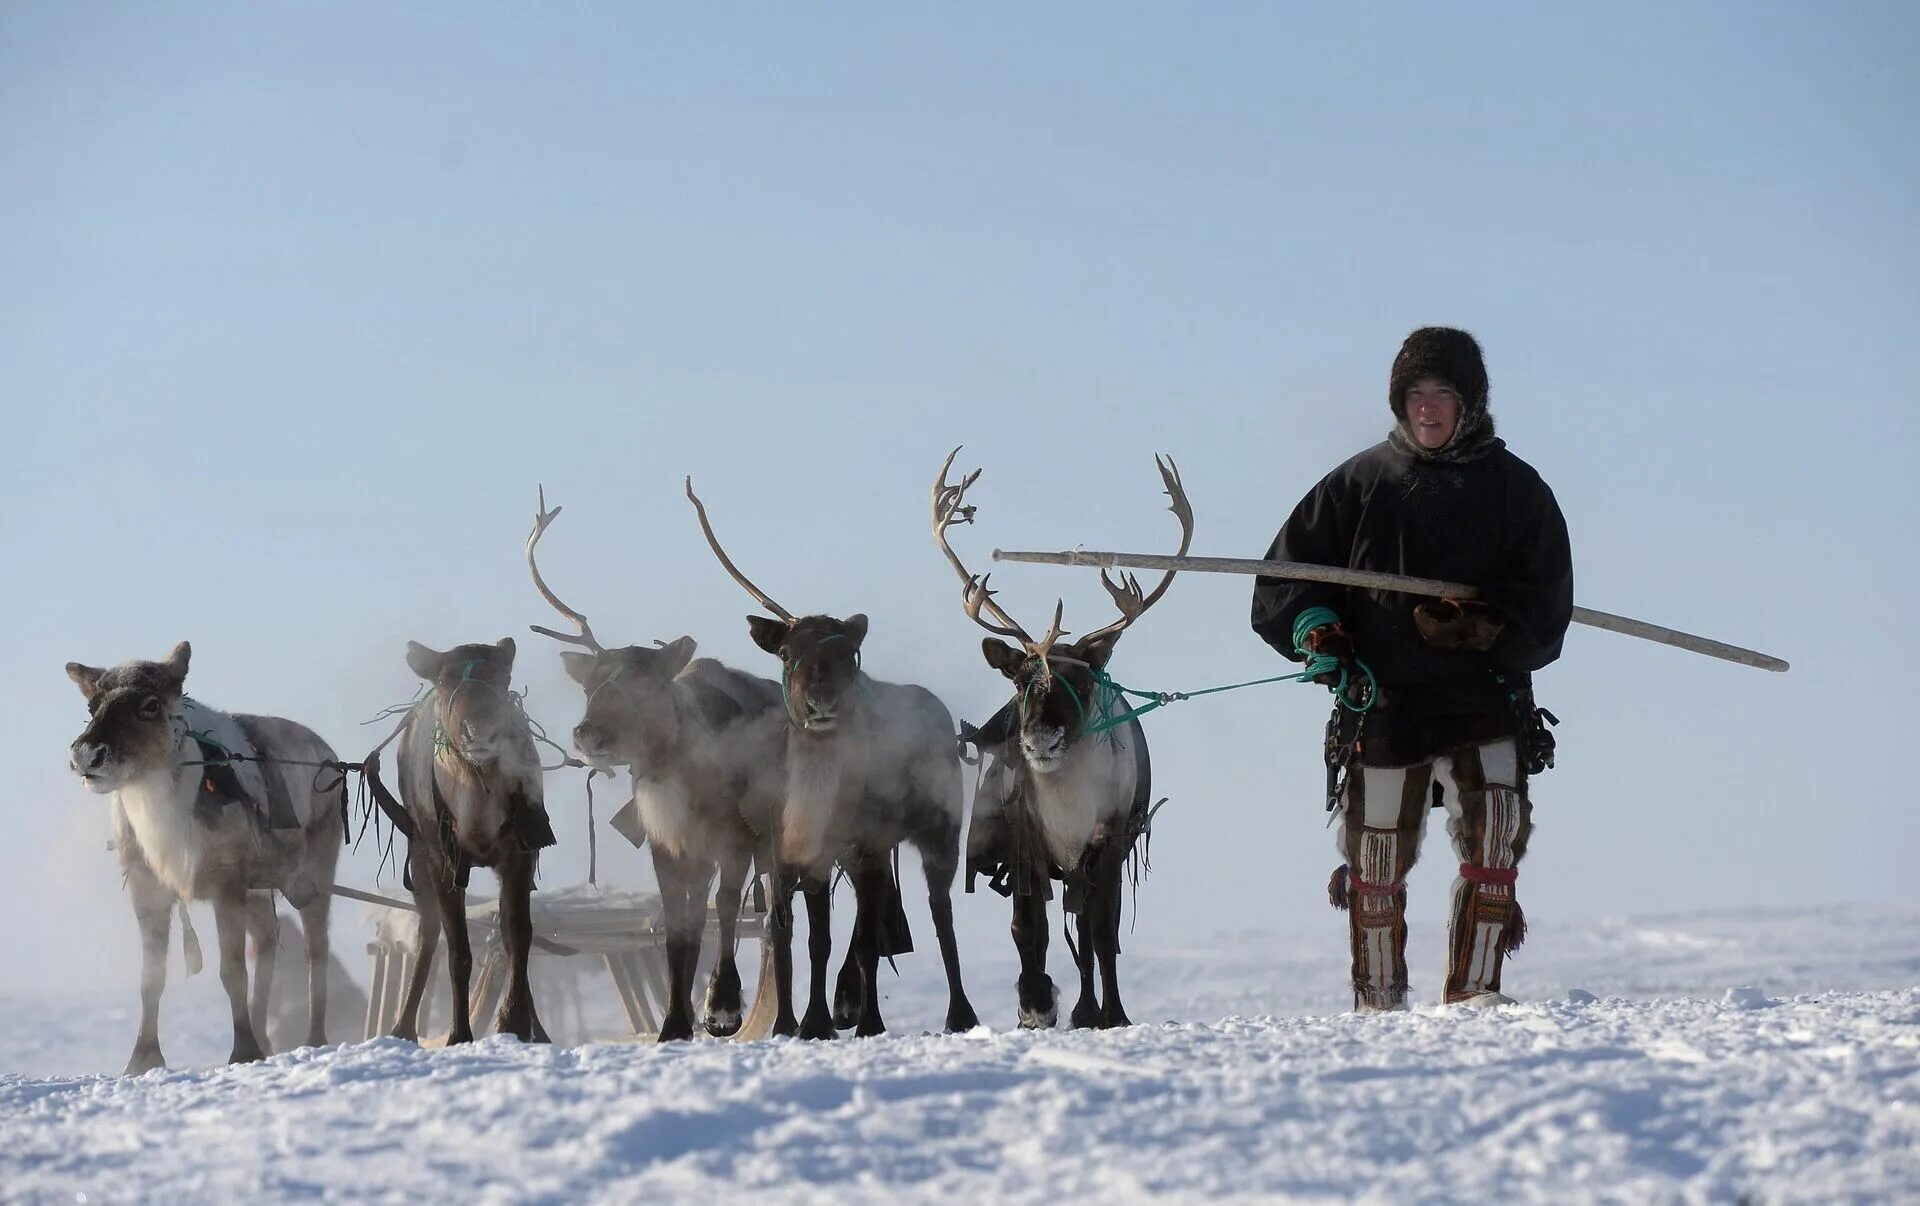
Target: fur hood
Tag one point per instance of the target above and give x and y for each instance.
(1453, 356)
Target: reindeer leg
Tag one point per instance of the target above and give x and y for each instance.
(940, 860)
(675, 885)
(1086, 1010)
(693, 919)
(263, 926)
(780, 934)
(315, 916)
(724, 1007)
(1039, 1000)
(453, 922)
(872, 893)
(153, 909)
(846, 986)
(818, 1022)
(1106, 930)
(426, 943)
(230, 918)
(517, 1015)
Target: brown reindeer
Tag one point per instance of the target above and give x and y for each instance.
(869, 765)
(218, 807)
(693, 734)
(470, 779)
(1066, 793)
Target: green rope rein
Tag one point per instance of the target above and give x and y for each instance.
(1112, 693)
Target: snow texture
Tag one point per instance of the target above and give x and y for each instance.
(1747, 1086)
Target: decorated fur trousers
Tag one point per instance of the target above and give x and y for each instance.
(1384, 815)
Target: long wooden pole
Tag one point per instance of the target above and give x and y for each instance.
(1368, 580)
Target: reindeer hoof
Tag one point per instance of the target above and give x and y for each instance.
(1085, 1015)
(463, 1035)
(847, 994)
(676, 1029)
(961, 1017)
(785, 1027)
(245, 1053)
(518, 1020)
(870, 1026)
(1039, 1003)
(145, 1058)
(1113, 1018)
(723, 1009)
(818, 1024)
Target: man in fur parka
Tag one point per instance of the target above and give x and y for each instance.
(1441, 498)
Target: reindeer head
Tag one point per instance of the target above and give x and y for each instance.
(631, 715)
(1060, 692)
(136, 725)
(471, 700)
(819, 666)
(819, 655)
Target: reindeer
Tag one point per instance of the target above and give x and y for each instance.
(211, 806)
(470, 779)
(869, 765)
(692, 734)
(1055, 801)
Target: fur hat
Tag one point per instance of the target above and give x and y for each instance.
(1450, 354)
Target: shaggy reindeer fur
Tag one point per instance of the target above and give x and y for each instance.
(869, 765)
(179, 839)
(695, 735)
(470, 777)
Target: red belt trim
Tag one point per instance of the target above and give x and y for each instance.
(1489, 875)
(1366, 889)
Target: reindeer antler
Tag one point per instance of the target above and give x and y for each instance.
(541, 520)
(1125, 590)
(727, 562)
(949, 509)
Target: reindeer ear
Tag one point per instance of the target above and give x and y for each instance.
(1095, 651)
(855, 627)
(770, 635)
(506, 646)
(579, 665)
(424, 661)
(1004, 657)
(87, 678)
(177, 660)
(673, 657)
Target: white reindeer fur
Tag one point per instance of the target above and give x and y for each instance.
(667, 813)
(852, 784)
(157, 807)
(824, 778)
(1094, 785)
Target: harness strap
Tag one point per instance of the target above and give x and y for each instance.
(1493, 876)
(1345, 885)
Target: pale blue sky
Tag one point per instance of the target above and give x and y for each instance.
(300, 305)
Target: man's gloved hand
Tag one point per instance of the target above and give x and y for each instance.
(1455, 624)
(1331, 640)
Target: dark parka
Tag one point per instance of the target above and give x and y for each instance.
(1471, 512)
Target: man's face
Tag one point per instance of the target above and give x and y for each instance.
(1433, 411)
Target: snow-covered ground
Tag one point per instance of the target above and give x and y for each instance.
(1242, 1079)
